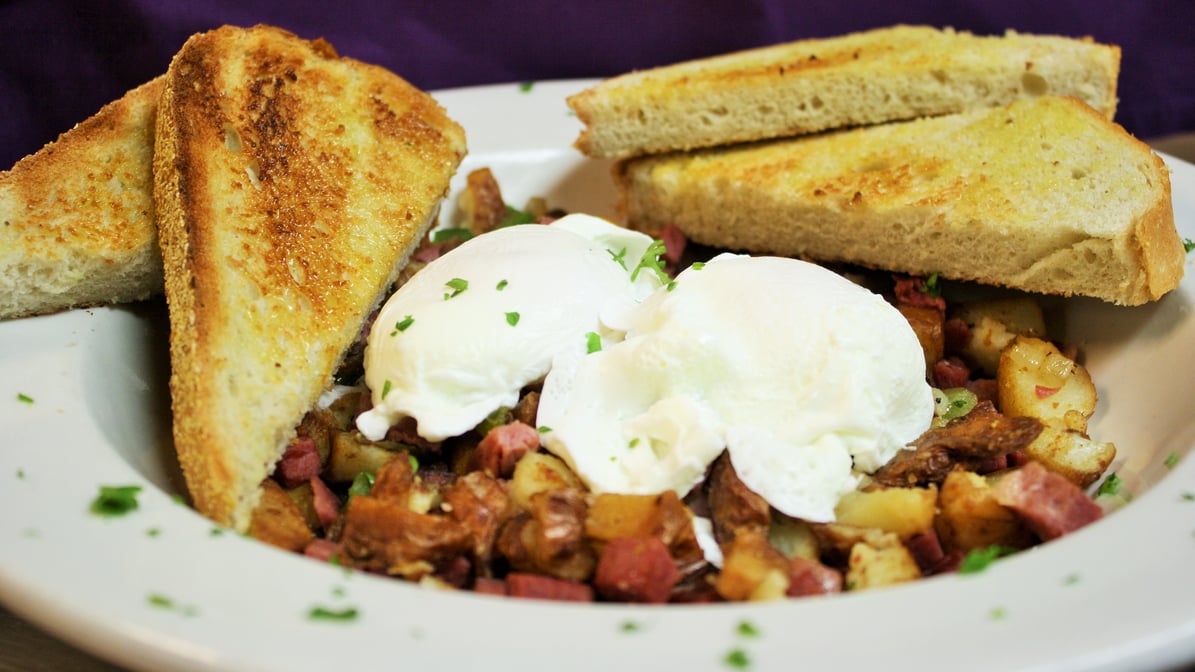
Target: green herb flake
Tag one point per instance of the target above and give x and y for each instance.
(526, 87)
(24, 398)
(115, 500)
(159, 600)
(671, 285)
(216, 532)
(1189, 496)
(998, 613)
(748, 629)
(413, 461)
(651, 261)
(933, 286)
(21, 474)
(1110, 486)
(445, 235)
(633, 442)
(737, 658)
(1171, 460)
(153, 532)
(178, 499)
(631, 626)
(335, 615)
(512, 318)
(515, 217)
(1071, 579)
(978, 559)
(402, 325)
(339, 591)
(457, 285)
(501, 285)
(620, 257)
(543, 429)
(697, 265)
(362, 485)
(386, 387)
(1188, 244)
(593, 343)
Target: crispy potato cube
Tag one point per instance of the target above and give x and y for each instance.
(304, 498)
(752, 569)
(994, 323)
(871, 567)
(352, 454)
(278, 521)
(1072, 455)
(927, 325)
(1035, 379)
(971, 518)
(903, 511)
(539, 472)
(663, 516)
(793, 537)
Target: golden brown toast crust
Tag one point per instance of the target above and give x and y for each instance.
(291, 187)
(1043, 195)
(76, 218)
(881, 75)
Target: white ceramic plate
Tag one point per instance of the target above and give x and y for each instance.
(1116, 595)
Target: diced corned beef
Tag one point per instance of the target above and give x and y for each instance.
(1017, 458)
(1049, 504)
(300, 462)
(991, 464)
(674, 243)
(949, 563)
(327, 504)
(428, 253)
(810, 577)
(456, 572)
(926, 550)
(321, 549)
(957, 333)
(519, 584)
(985, 389)
(912, 290)
(488, 586)
(504, 445)
(951, 372)
(636, 570)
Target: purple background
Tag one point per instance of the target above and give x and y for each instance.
(61, 60)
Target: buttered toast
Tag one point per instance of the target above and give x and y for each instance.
(1044, 195)
(291, 185)
(887, 74)
(77, 217)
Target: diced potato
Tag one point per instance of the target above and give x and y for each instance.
(345, 408)
(423, 498)
(352, 454)
(318, 424)
(278, 521)
(971, 518)
(927, 325)
(664, 516)
(903, 511)
(539, 472)
(752, 569)
(1036, 380)
(793, 537)
(1071, 454)
(994, 323)
(871, 567)
(480, 202)
(304, 498)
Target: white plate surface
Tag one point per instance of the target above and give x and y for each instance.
(1117, 595)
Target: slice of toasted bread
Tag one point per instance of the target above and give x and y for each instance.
(888, 74)
(291, 186)
(77, 217)
(1044, 195)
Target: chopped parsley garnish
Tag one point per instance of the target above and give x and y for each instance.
(543, 429)
(444, 235)
(633, 442)
(998, 613)
(457, 285)
(1171, 460)
(978, 559)
(1189, 496)
(413, 461)
(403, 324)
(620, 257)
(500, 416)
(178, 499)
(933, 286)
(163, 602)
(526, 86)
(115, 500)
(153, 532)
(697, 265)
(1110, 486)
(339, 591)
(21, 474)
(737, 658)
(326, 614)
(1070, 580)
(1188, 244)
(593, 343)
(362, 485)
(631, 626)
(748, 629)
(216, 532)
(651, 261)
(386, 387)
(515, 217)
(501, 285)
(512, 318)
(671, 285)
(24, 398)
